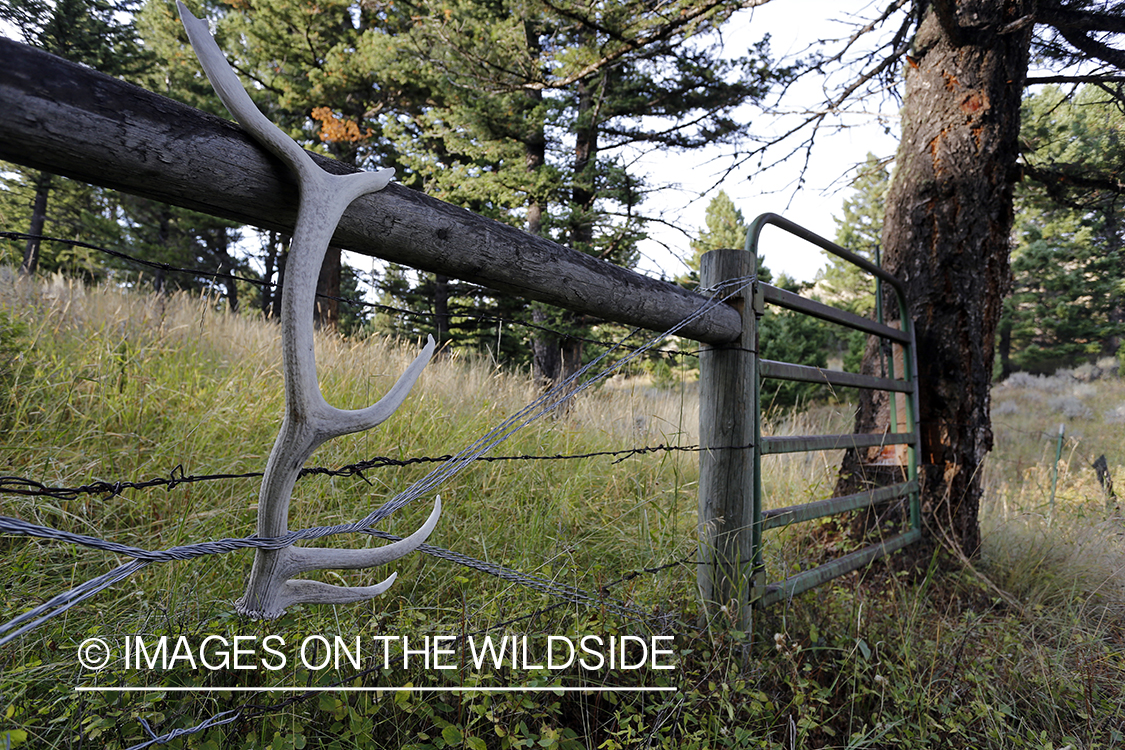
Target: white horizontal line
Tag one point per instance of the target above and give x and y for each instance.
(510, 689)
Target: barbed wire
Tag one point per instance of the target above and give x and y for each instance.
(251, 711)
(14, 485)
(547, 402)
(544, 404)
(390, 309)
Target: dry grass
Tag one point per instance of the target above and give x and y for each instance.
(117, 385)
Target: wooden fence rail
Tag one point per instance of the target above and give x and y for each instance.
(66, 119)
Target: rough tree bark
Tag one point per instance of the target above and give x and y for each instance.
(947, 235)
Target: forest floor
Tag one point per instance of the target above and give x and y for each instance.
(1023, 647)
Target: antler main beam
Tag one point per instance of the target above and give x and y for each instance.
(309, 420)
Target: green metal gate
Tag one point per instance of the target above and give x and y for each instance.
(905, 434)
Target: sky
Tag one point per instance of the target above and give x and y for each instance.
(793, 25)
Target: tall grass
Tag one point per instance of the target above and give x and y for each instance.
(1023, 650)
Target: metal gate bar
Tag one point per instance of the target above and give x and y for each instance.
(908, 434)
(804, 373)
(779, 517)
(797, 303)
(808, 579)
(804, 443)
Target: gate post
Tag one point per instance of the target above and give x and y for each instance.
(728, 430)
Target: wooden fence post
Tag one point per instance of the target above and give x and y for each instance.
(728, 427)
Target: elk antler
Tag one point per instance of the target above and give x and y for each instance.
(309, 420)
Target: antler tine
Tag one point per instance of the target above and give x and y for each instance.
(304, 559)
(336, 422)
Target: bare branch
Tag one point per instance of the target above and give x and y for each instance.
(1093, 47)
(658, 34)
(1057, 179)
(1080, 20)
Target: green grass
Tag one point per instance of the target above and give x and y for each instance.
(1024, 650)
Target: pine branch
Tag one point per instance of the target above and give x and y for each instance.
(659, 34)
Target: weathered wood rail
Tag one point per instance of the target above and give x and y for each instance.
(66, 119)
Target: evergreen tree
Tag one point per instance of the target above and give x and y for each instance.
(513, 109)
(948, 225)
(1067, 264)
(183, 239)
(783, 335)
(725, 228)
(787, 336)
(858, 230)
(843, 284)
(97, 33)
(108, 36)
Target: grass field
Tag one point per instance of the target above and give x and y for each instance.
(1021, 650)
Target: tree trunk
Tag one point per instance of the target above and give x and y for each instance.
(269, 264)
(226, 265)
(546, 358)
(947, 235)
(441, 310)
(38, 220)
(583, 195)
(1004, 349)
(1114, 250)
(164, 239)
(282, 261)
(546, 361)
(328, 285)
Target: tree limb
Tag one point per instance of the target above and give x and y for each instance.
(1093, 47)
(1075, 79)
(659, 34)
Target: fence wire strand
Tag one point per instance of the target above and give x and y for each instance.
(446, 470)
(250, 710)
(13, 485)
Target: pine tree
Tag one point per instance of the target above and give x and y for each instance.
(97, 33)
(513, 109)
(948, 225)
(783, 336)
(1066, 304)
(843, 284)
(725, 228)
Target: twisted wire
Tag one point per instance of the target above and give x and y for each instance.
(542, 405)
(14, 485)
